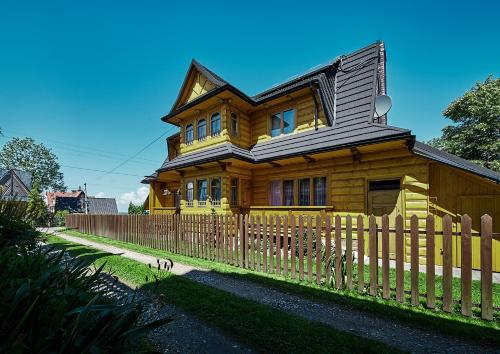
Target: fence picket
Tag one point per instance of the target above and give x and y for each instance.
(301, 248)
(348, 251)
(278, 245)
(271, 244)
(252, 242)
(486, 268)
(338, 252)
(360, 234)
(258, 246)
(447, 263)
(319, 225)
(372, 244)
(414, 260)
(400, 291)
(466, 273)
(386, 291)
(429, 268)
(293, 258)
(242, 241)
(246, 241)
(285, 246)
(264, 243)
(309, 249)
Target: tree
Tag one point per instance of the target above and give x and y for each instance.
(36, 211)
(135, 209)
(24, 154)
(475, 136)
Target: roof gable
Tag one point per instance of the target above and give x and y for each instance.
(198, 81)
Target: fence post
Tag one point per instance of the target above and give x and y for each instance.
(309, 248)
(414, 260)
(265, 229)
(301, 247)
(386, 291)
(447, 263)
(430, 269)
(348, 250)
(319, 224)
(373, 255)
(486, 268)
(400, 294)
(338, 252)
(328, 247)
(278, 245)
(285, 246)
(466, 271)
(259, 245)
(361, 253)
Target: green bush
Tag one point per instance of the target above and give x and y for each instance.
(59, 218)
(51, 303)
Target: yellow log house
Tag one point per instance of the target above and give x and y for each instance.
(313, 144)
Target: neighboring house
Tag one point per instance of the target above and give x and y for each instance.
(102, 206)
(74, 202)
(15, 184)
(311, 144)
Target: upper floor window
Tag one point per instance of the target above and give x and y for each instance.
(202, 129)
(189, 194)
(189, 134)
(283, 122)
(215, 191)
(202, 192)
(215, 124)
(234, 124)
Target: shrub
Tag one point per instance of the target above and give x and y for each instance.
(59, 218)
(15, 227)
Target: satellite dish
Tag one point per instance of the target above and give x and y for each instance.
(383, 104)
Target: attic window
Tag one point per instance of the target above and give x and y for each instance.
(215, 124)
(234, 124)
(283, 122)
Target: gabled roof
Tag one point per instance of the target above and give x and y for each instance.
(11, 179)
(52, 196)
(347, 86)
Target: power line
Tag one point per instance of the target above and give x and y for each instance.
(95, 170)
(133, 156)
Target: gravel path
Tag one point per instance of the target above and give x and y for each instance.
(400, 335)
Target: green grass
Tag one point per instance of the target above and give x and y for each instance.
(452, 323)
(258, 326)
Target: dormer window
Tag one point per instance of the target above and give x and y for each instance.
(202, 129)
(234, 124)
(189, 134)
(215, 124)
(283, 122)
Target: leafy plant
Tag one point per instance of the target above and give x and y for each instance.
(37, 209)
(330, 264)
(135, 208)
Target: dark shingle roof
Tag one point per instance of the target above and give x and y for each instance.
(432, 153)
(102, 205)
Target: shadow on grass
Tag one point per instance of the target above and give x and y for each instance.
(481, 331)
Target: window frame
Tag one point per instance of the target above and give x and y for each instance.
(281, 113)
(313, 178)
(236, 202)
(212, 134)
(198, 129)
(186, 141)
(215, 202)
(296, 191)
(280, 184)
(190, 203)
(234, 115)
(201, 202)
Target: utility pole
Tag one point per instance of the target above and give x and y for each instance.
(86, 203)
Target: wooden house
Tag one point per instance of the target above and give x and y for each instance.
(313, 144)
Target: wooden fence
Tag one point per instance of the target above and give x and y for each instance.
(326, 251)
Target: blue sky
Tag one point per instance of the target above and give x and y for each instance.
(91, 79)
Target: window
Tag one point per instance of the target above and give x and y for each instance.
(385, 185)
(283, 122)
(304, 192)
(234, 124)
(275, 193)
(276, 124)
(215, 191)
(234, 191)
(189, 194)
(215, 124)
(189, 134)
(319, 189)
(202, 129)
(202, 192)
(288, 121)
(288, 193)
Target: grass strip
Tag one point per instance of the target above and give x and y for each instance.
(449, 323)
(258, 326)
